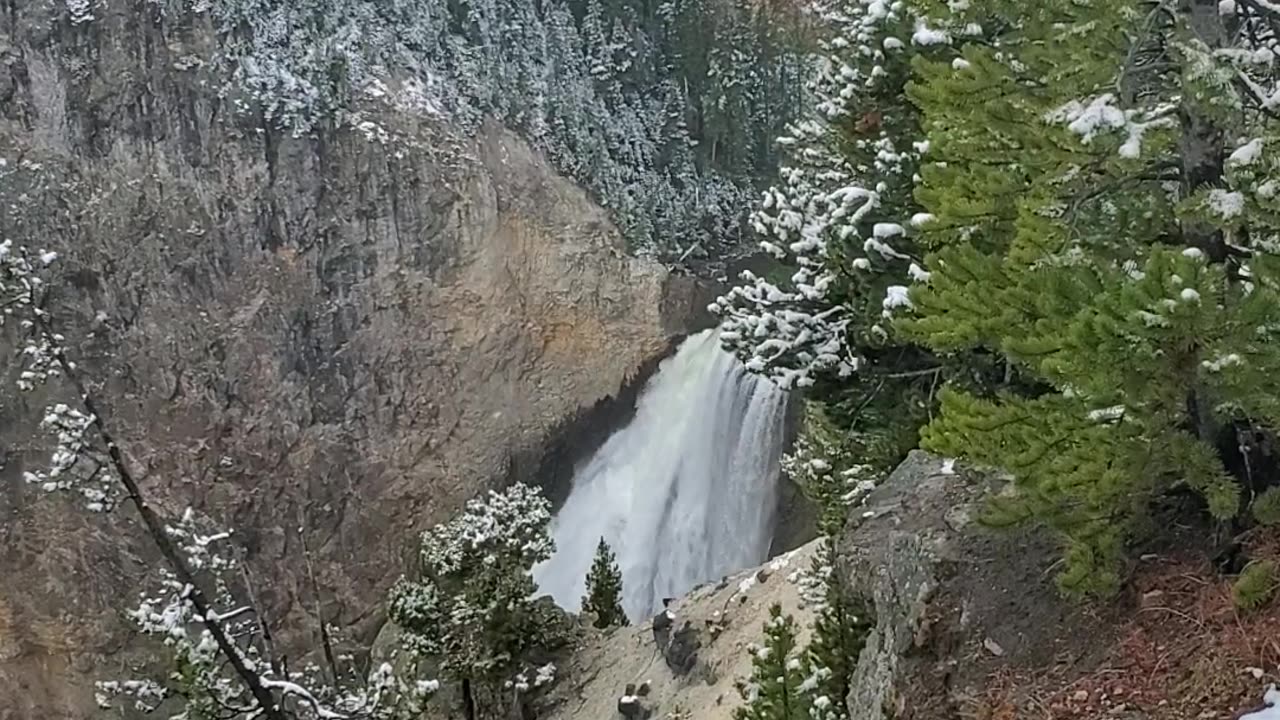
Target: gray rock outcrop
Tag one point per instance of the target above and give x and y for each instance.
(953, 602)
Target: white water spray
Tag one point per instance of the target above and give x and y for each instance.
(685, 493)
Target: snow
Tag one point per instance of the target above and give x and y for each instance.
(1272, 711)
(80, 11)
(373, 132)
(895, 296)
(1194, 253)
(925, 35)
(1190, 295)
(1104, 414)
(887, 230)
(293, 689)
(1246, 154)
(922, 219)
(1087, 120)
(871, 245)
(960, 64)
(1227, 7)
(918, 273)
(1222, 361)
(782, 561)
(1132, 147)
(1226, 204)
(948, 467)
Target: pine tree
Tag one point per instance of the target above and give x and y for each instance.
(778, 671)
(1101, 219)
(1266, 508)
(828, 464)
(844, 226)
(604, 589)
(840, 630)
(1256, 585)
(472, 609)
(582, 95)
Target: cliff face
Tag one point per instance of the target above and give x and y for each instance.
(326, 342)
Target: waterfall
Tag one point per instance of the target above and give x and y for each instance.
(685, 493)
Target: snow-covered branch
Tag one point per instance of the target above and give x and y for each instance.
(212, 636)
(834, 220)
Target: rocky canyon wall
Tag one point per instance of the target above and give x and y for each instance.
(325, 342)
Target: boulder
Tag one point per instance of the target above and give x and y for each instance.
(946, 592)
(681, 652)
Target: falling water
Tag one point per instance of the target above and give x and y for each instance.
(685, 493)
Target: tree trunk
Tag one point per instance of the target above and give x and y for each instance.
(468, 700)
(1202, 156)
(1201, 144)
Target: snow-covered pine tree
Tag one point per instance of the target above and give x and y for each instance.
(828, 468)
(840, 629)
(778, 671)
(604, 589)
(221, 662)
(843, 225)
(1100, 180)
(588, 101)
(826, 463)
(471, 611)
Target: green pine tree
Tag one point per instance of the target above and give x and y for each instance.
(1256, 585)
(778, 672)
(840, 631)
(1104, 223)
(604, 589)
(1266, 508)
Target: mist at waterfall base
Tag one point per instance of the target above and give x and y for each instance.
(685, 493)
